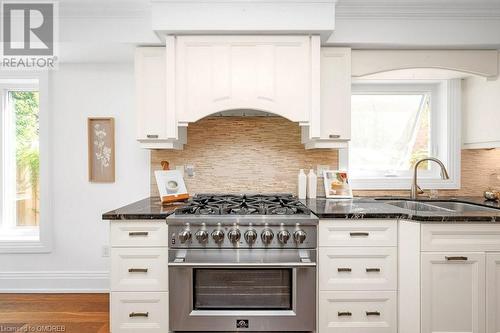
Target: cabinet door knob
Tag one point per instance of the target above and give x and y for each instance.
(138, 233)
(137, 270)
(458, 258)
(368, 270)
(344, 314)
(372, 313)
(359, 234)
(152, 136)
(138, 314)
(334, 136)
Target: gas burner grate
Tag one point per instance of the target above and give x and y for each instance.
(254, 204)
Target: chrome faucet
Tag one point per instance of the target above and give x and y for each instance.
(415, 189)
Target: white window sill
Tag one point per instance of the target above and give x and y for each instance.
(390, 183)
(22, 240)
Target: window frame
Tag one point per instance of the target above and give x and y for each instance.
(21, 240)
(445, 113)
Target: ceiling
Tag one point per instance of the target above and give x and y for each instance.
(108, 30)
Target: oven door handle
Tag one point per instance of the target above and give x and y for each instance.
(239, 264)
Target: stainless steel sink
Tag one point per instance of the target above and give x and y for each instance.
(460, 207)
(420, 206)
(438, 206)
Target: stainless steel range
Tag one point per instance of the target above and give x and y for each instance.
(242, 263)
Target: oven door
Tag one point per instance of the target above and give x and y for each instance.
(230, 290)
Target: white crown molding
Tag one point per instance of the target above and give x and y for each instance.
(104, 9)
(54, 281)
(424, 9)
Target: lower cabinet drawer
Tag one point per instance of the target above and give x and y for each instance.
(137, 312)
(139, 269)
(355, 268)
(461, 237)
(137, 233)
(357, 312)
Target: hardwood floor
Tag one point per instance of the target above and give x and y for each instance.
(69, 313)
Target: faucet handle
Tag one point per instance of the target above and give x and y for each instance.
(419, 190)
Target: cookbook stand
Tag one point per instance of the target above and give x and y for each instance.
(170, 184)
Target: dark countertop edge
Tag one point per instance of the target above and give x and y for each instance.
(116, 217)
(151, 209)
(406, 215)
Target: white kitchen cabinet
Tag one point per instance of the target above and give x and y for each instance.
(356, 312)
(133, 312)
(453, 292)
(364, 232)
(443, 237)
(139, 269)
(480, 104)
(139, 276)
(356, 268)
(493, 292)
(331, 128)
(266, 73)
(156, 127)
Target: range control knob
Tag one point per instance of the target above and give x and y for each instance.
(184, 236)
(201, 236)
(251, 236)
(234, 235)
(218, 235)
(267, 236)
(299, 236)
(283, 236)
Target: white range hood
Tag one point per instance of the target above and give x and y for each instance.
(243, 17)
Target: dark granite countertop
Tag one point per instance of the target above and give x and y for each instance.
(357, 208)
(366, 207)
(146, 209)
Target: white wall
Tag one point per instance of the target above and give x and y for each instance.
(79, 91)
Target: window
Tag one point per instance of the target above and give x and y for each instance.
(396, 124)
(22, 178)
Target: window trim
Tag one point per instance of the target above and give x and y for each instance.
(44, 243)
(446, 99)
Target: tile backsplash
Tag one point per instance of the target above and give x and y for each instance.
(243, 154)
(264, 154)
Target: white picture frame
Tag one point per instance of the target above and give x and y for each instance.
(337, 184)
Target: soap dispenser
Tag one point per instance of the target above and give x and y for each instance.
(302, 184)
(312, 184)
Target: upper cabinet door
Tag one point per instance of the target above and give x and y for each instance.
(335, 94)
(265, 73)
(453, 292)
(493, 292)
(150, 93)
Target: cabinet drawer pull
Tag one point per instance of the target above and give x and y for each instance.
(368, 270)
(344, 314)
(152, 136)
(459, 258)
(137, 270)
(138, 233)
(138, 314)
(344, 269)
(334, 136)
(359, 234)
(372, 313)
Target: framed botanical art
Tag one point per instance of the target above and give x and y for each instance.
(101, 146)
(337, 184)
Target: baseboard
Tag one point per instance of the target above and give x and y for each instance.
(54, 282)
